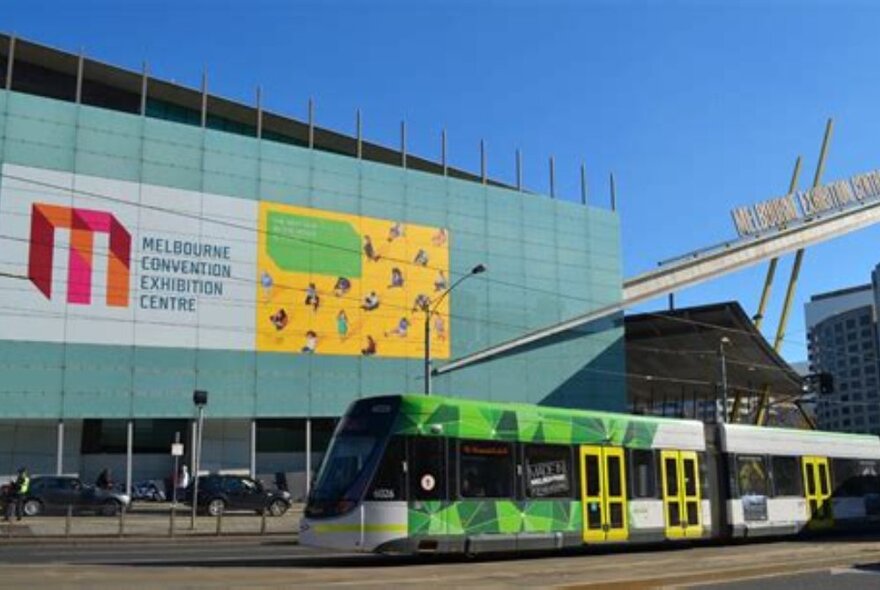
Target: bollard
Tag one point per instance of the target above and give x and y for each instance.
(219, 523)
(171, 523)
(67, 520)
(263, 522)
(121, 532)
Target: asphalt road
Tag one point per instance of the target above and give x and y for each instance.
(280, 563)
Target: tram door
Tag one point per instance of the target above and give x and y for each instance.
(817, 485)
(603, 494)
(681, 494)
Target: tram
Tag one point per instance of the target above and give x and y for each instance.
(416, 474)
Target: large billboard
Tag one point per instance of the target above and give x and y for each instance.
(334, 283)
(100, 261)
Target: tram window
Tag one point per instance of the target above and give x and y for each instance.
(703, 465)
(751, 475)
(614, 467)
(547, 471)
(823, 479)
(671, 476)
(641, 466)
(786, 476)
(855, 478)
(427, 468)
(592, 475)
(690, 481)
(485, 469)
(389, 482)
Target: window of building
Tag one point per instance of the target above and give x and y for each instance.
(642, 469)
(288, 435)
(850, 324)
(865, 320)
(751, 475)
(485, 469)
(787, 477)
(548, 471)
(150, 436)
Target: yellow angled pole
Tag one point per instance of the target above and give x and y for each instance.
(771, 270)
(795, 273)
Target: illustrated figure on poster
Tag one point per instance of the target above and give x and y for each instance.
(371, 301)
(439, 239)
(342, 324)
(422, 303)
(311, 342)
(370, 348)
(266, 282)
(279, 319)
(421, 257)
(396, 278)
(312, 296)
(439, 327)
(441, 282)
(342, 286)
(395, 232)
(401, 329)
(369, 250)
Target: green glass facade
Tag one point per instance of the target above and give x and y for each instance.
(548, 260)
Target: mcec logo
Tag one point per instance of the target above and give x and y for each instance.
(82, 224)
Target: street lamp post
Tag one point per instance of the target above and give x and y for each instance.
(200, 399)
(429, 312)
(724, 340)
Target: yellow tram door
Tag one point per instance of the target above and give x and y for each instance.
(681, 494)
(603, 494)
(817, 489)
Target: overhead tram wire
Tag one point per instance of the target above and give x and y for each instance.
(257, 230)
(247, 303)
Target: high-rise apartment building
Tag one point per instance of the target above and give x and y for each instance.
(842, 341)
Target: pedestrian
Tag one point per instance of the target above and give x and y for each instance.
(20, 488)
(104, 481)
(183, 480)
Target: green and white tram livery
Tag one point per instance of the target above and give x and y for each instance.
(411, 474)
(414, 474)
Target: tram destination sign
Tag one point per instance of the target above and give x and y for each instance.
(781, 212)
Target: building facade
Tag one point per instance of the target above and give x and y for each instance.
(842, 341)
(157, 240)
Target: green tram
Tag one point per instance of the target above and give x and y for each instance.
(416, 474)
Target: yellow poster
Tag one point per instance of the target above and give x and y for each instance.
(333, 283)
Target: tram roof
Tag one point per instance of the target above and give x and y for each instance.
(505, 421)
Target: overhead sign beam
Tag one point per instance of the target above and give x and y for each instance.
(699, 267)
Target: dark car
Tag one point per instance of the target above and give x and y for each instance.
(54, 493)
(218, 493)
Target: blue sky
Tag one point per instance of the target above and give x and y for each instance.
(696, 106)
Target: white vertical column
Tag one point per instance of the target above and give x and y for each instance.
(308, 456)
(59, 451)
(253, 447)
(129, 447)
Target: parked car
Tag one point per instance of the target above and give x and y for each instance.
(218, 493)
(54, 493)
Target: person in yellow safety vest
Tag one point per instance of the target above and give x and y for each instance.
(21, 487)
